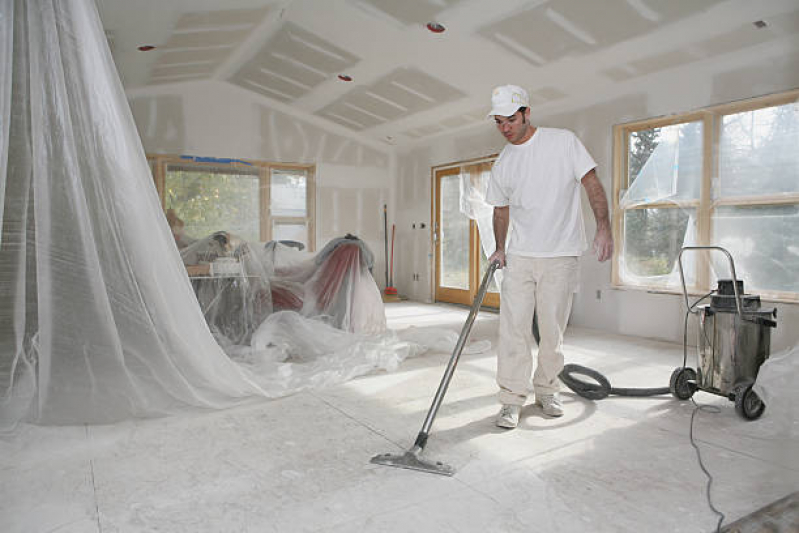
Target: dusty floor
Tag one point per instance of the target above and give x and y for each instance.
(301, 463)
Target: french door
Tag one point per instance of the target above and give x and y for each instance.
(460, 262)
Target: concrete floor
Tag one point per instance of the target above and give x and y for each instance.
(301, 463)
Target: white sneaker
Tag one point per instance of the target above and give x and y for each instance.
(508, 416)
(550, 404)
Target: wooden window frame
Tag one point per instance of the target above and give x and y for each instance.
(160, 162)
(711, 119)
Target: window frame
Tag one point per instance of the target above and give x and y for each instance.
(159, 163)
(711, 118)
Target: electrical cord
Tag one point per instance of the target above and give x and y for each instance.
(710, 409)
(707, 408)
(602, 388)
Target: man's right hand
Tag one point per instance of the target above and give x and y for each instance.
(498, 256)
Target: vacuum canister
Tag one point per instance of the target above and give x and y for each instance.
(732, 344)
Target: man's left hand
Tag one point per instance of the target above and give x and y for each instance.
(603, 244)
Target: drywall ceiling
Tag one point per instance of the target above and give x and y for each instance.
(409, 84)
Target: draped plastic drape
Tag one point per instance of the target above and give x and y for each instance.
(99, 321)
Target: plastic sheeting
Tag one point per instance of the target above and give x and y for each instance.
(99, 320)
(473, 185)
(777, 386)
(242, 283)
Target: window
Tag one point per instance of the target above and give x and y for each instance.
(725, 176)
(255, 201)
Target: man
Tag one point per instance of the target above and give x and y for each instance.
(535, 185)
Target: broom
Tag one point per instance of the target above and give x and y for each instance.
(390, 289)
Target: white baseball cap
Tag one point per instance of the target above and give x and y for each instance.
(507, 99)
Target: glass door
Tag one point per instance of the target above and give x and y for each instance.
(460, 262)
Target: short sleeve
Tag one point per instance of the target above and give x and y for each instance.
(582, 160)
(495, 195)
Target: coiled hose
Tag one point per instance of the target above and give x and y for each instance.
(600, 388)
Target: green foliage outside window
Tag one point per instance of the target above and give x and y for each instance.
(208, 202)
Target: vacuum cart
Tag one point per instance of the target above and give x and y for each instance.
(734, 340)
(411, 459)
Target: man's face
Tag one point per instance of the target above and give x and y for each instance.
(514, 127)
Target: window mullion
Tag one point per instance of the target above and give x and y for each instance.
(263, 200)
(710, 129)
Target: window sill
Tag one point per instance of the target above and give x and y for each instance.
(779, 299)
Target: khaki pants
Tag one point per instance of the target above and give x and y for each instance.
(529, 283)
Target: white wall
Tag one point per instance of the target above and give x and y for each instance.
(762, 70)
(216, 119)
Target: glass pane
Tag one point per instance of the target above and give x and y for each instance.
(759, 152)
(208, 200)
(290, 231)
(652, 241)
(454, 236)
(763, 242)
(665, 163)
(288, 193)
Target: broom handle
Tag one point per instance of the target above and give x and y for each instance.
(421, 439)
(385, 237)
(391, 279)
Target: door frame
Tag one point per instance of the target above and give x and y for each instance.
(445, 294)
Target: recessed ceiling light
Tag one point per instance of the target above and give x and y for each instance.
(146, 48)
(760, 24)
(435, 27)
(344, 77)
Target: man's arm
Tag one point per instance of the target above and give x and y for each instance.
(501, 220)
(603, 240)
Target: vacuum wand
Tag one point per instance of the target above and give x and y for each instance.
(411, 459)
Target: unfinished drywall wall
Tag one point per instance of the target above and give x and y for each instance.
(351, 201)
(216, 119)
(760, 70)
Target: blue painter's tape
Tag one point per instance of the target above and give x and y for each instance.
(224, 160)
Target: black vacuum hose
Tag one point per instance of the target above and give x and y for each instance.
(600, 387)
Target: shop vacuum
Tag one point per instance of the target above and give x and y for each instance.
(734, 340)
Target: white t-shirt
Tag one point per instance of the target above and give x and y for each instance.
(540, 181)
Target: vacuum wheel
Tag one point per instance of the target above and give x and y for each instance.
(747, 403)
(683, 382)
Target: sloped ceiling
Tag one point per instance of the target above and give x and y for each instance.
(409, 84)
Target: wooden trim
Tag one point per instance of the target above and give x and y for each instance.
(485, 159)
(311, 207)
(264, 192)
(617, 218)
(661, 122)
(758, 102)
(704, 220)
(434, 234)
(785, 199)
(676, 204)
